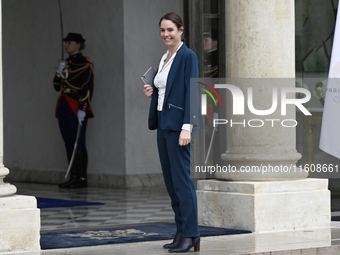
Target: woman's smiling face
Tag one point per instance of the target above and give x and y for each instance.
(170, 34)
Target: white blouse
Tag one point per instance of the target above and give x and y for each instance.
(160, 81)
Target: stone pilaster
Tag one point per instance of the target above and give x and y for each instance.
(19, 216)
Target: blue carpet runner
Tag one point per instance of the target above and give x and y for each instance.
(51, 202)
(130, 234)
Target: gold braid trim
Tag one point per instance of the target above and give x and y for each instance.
(83, 70)
(77, 74)
(88, 78)
(72, 85)
(87, 96)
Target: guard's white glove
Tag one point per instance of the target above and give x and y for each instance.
(61, 68)
(81, 116)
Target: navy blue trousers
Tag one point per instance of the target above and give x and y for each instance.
(175, 162)
(68, 124)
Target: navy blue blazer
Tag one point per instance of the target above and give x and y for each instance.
(181, 103)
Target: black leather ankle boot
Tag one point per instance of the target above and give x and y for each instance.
(176, 241)
(186, 244)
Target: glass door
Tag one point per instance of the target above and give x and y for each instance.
(205, 33)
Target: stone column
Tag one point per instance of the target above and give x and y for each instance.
(260, 51)
(19, 216)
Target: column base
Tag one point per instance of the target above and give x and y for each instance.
(20, 224)
(262, 167)
(6, 189)
(263, 206)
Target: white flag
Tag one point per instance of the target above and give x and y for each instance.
(330, 128)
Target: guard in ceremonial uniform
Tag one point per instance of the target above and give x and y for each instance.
(211, 55)
(74, 80)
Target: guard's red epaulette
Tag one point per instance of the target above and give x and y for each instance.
(88, 60)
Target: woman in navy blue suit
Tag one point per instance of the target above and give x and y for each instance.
(176, 123)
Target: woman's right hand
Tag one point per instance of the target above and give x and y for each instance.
(148, 90)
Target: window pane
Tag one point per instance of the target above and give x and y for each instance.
(210, 6)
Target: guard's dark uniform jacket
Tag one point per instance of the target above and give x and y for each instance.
(78, 87)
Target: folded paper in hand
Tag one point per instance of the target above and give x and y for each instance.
(148, 76)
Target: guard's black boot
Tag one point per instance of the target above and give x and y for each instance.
(73, 183)
(175, 242)
(73, 171)
(72, 180)
(76, 183)
(81, 167)
(81, 183)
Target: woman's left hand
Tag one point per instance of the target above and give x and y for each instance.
(148, 90)
(184, 137)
